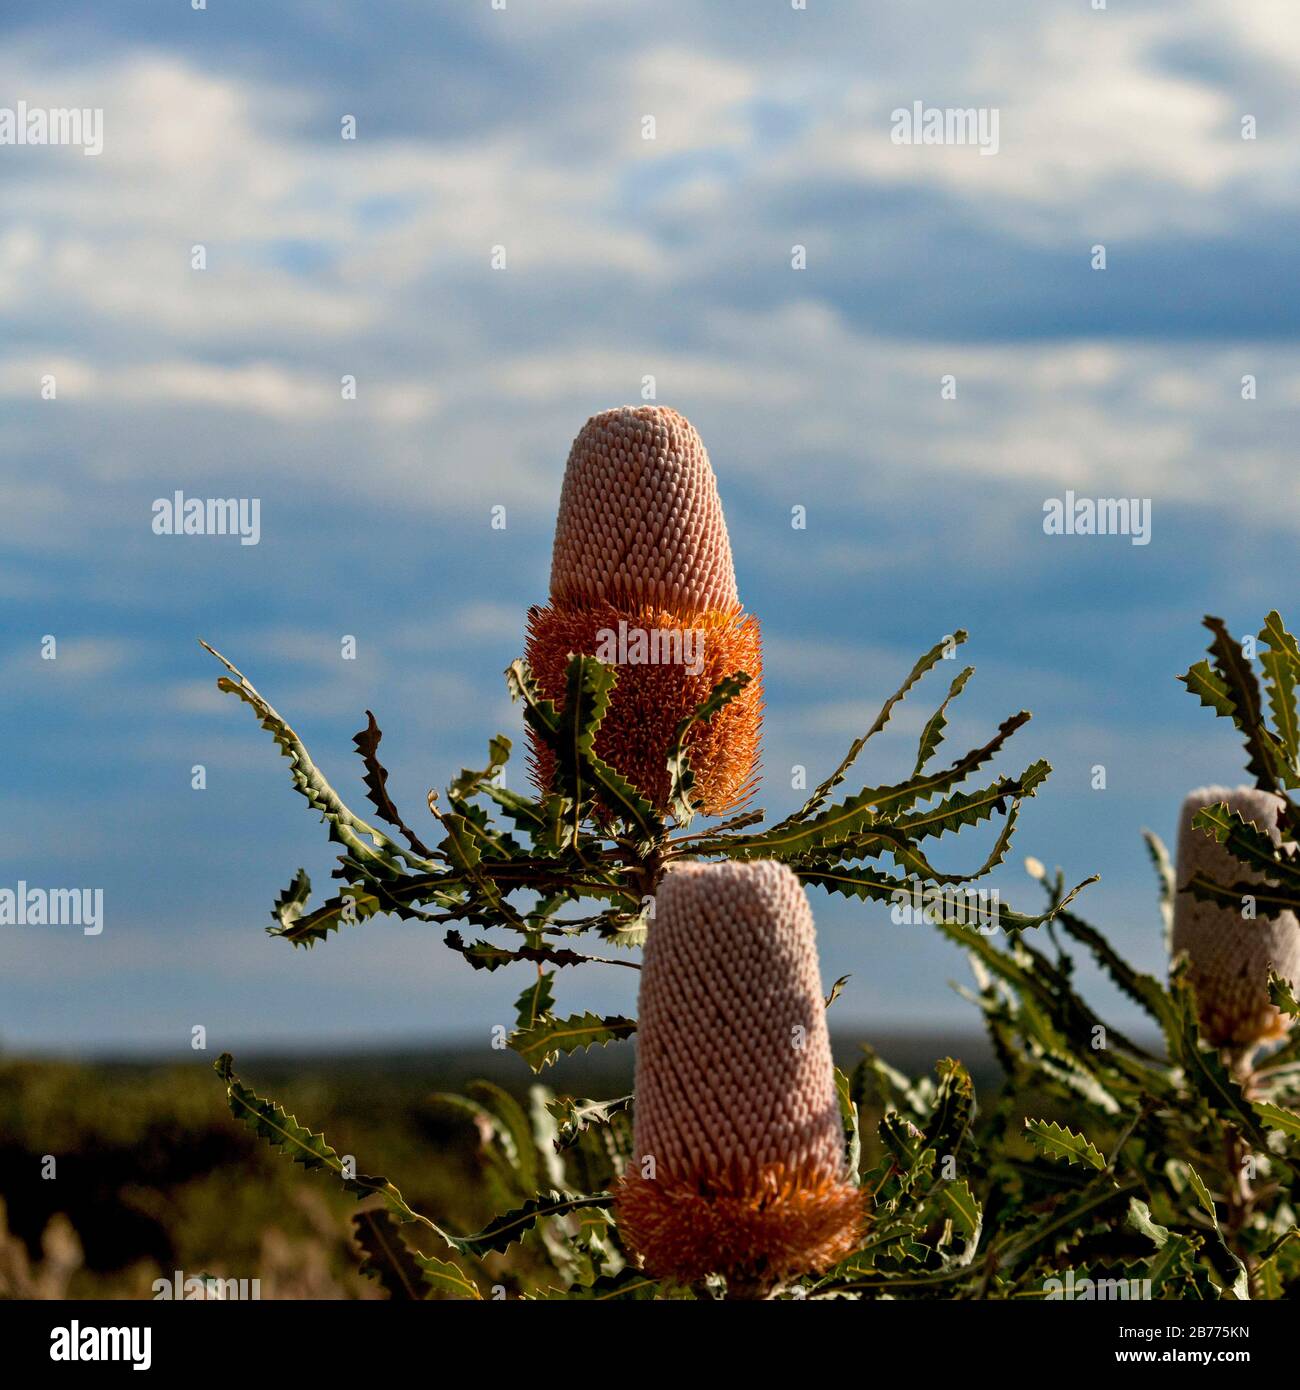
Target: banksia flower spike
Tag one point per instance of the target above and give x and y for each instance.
(1229, 957)
(739, 1163)
(642, 576)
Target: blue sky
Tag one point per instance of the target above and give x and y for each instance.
(625, 258)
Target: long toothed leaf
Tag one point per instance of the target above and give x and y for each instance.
(405, 1273)
(932, 734)
(376, 780)
(1054, 1141)
(936, 654)
(370, 845)
(540, 1046)
(1266, 901)
(487, 955)
(571, 735)
(282, 1131)
(575, 1116)
(1247, 843)
(503, 1231)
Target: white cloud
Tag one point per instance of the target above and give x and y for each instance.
(98, 250)
(77, 659)
(698, 100)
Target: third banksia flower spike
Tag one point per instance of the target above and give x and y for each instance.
(1229, 957)
(642, 575)
(738, 1162)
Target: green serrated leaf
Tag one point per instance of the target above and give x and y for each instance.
(1209, 689)
(1139, 1218)
(932, 734)
(627, 803)
(535, 1002)
(586, 699)
(376, 781)
(1276, 636)
(963, 1207)
(442, 1276)
(970, 808)
(1078, 1210)
(1225, 1261)
(387, 1257)
(541, 1045)
(1248, 843)
(852, 1127)
(629, 1285)
(473, 780)
(1164, 868)
(903, 1139)
(575, 1116)
(487, 955)
(953, 1109)
(926, 663)
(364, 842)
(910, 858)
(1171, 1263)
(1202, 1193)
(1282, 993)
(292, 901)
(1276, 1117)
(1268, 1274)
(940, 905)
(1266, 757)
(282, 1131)
(1283, 676)
(1267, 902)
(503, 1231)
(1055, 1141)
(836, 823)
(571, 734)
(896, 800)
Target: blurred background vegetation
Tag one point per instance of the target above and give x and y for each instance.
(152, 1174)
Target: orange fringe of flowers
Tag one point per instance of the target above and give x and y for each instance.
(757, 1231)
(1240, 1026)
(649, 701)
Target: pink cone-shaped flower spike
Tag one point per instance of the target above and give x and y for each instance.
(640, 520)
(1229, 956)
(738, 1163)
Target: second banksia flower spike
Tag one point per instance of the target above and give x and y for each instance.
(739, 1163)
(642, 577)
(1229, 956)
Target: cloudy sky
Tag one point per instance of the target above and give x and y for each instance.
(626, 258)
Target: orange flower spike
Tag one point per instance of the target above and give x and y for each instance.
(739, 1161)
(1229, 957)
(642, 575)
